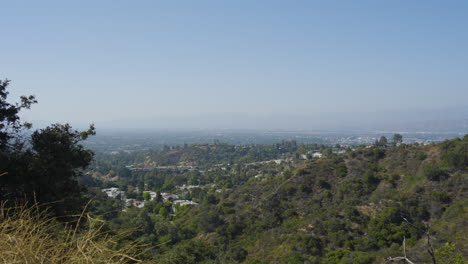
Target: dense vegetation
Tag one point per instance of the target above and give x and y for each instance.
(40, 195)
(251, 204)
(44, 166)
(355, 207)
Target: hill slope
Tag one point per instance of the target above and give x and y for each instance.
(353, 208)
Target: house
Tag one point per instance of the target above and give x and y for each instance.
(139, 204)
(185, 202)
(129, 202)
(169, 196)
(114, 192)
(181, 203)
(317, 155)
(187, 187)
(133, 202)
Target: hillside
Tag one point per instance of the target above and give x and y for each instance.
(355, 208)
(349, 206)
(218, 153)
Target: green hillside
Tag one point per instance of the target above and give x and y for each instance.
(356, 206)
(352, 208)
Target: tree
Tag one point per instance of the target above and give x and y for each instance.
(163, 212)
(434, 173)
(447, 254)
(12, 158)
(56, 161)
(46, 169)
(159, 197)
(146, 196)
(10, 124)
(397, 139)
(382, 141)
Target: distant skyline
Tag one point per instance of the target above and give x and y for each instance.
(111, 61)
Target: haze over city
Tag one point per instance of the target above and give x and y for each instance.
(238, 64)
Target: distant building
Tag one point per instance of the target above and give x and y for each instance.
(169, 196)
(114, 192)
(182, 203)
(135, 203)
(317, 155)
(185, 202)
(187, 187)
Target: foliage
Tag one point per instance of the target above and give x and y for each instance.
(397, 139)
(455, 152)
(435, 173)
(45, 168)
(10, 124)
(350, 208)
(29, 236)
(448, 255)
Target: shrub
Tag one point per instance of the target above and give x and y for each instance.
(420, 155)
(27, 236)
(447, 254)
(442, 197)
(434, 173)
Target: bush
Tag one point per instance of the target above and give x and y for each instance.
(341, 170)
(448, 255)
(455, 152)
(27, 236)
(442, 197)
(420, 155)
(434, 173)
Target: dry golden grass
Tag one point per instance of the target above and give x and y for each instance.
(28, 236)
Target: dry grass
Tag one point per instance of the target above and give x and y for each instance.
(28, 236)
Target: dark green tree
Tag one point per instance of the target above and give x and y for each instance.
(10, 125)
(57, 159)
(146, 196)
(43, 167)
(397, 139)
(382, 141)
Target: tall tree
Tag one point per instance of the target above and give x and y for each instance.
(43, 167)
(397, 139)
(383, 141)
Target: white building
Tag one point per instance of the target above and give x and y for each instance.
(185, 202)
(317, 155)
(167, 196)
(114, 192)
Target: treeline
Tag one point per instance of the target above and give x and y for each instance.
(220, 153)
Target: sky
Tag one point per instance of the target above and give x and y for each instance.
(135, 62)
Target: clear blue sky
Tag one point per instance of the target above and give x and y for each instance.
(117, 60)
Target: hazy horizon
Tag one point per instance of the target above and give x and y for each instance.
(243, 64)
(440, 120)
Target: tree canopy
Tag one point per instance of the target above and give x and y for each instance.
(42, 166)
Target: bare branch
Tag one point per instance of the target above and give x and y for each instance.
(401, 258)
(430, 248)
